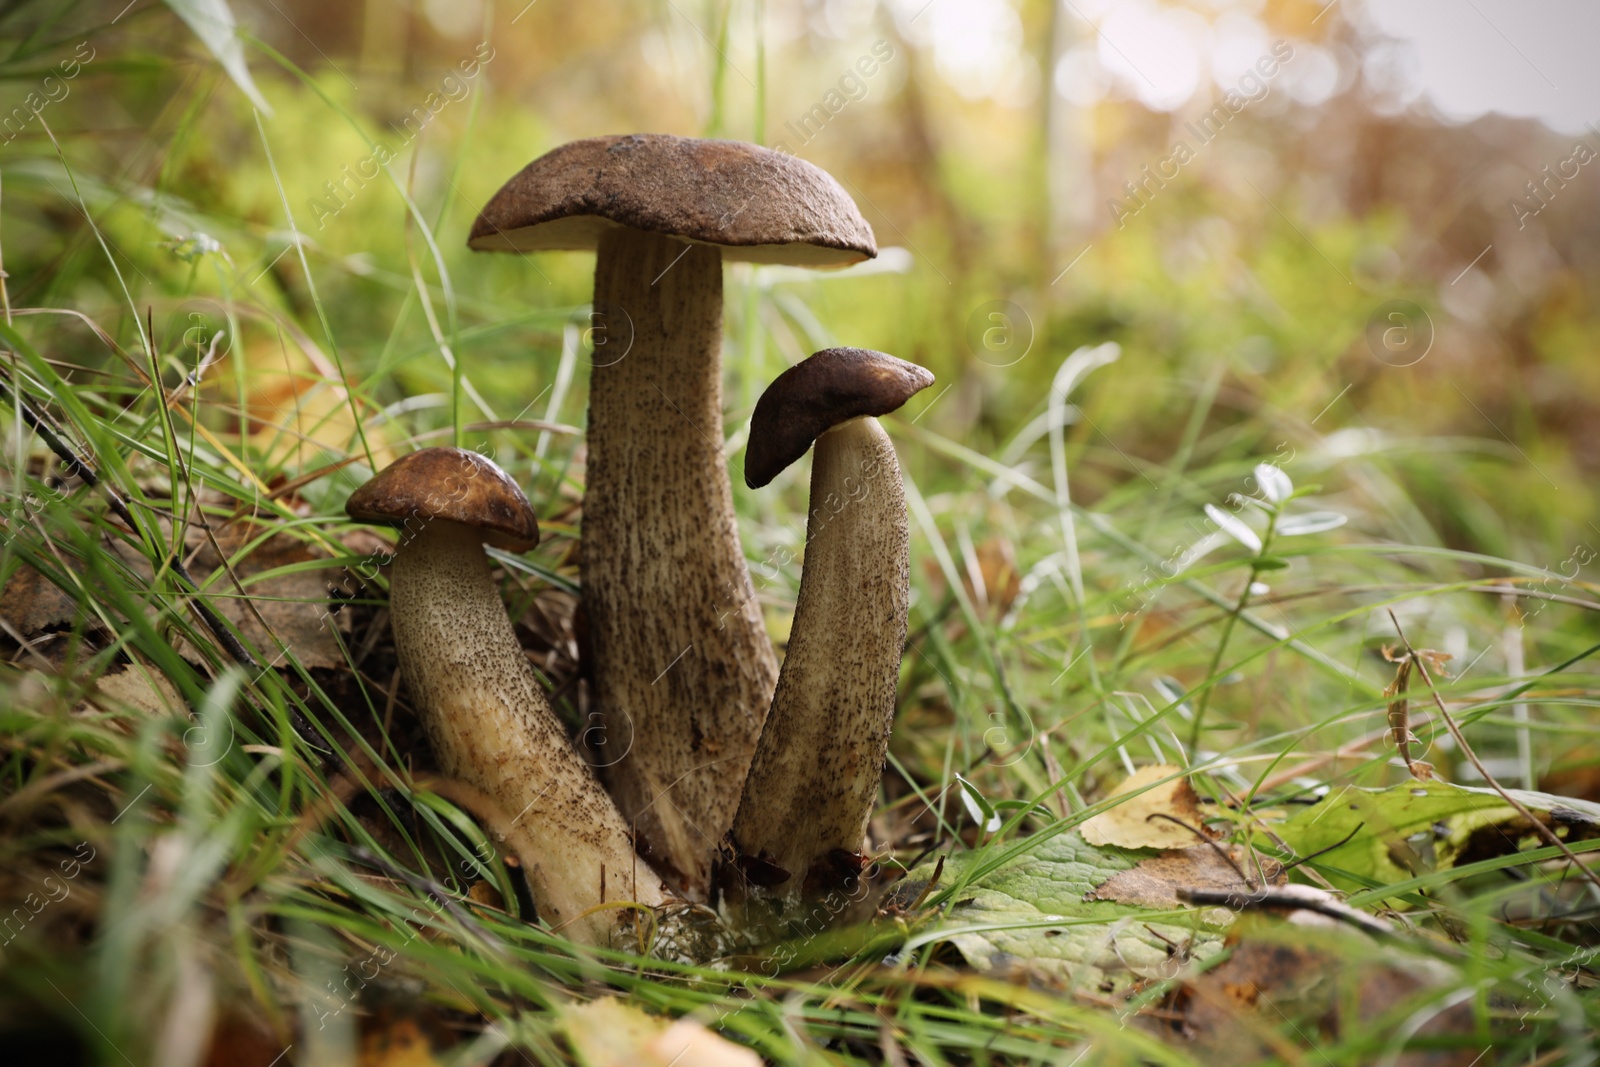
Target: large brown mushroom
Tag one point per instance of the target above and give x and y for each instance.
(485, 716)
(684, 686)
(814, 780)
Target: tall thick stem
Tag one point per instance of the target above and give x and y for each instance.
(490, 726)
(815, 776)
(682, 662)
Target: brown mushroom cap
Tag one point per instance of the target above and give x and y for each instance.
(815, 395)
(450, 484)
(762, 206)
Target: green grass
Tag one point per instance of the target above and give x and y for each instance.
(256, 838)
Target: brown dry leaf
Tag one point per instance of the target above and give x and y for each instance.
(1154, 882)
(1284, 985)
(1400, 706)
(31, 603)
(610, 1033)
(295, 606)
(146, 690)
(1130, 825)
(238, 1040)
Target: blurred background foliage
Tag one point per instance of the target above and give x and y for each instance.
(1253, 272)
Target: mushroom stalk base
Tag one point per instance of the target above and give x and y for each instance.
(491, 727)
(682, 662)
(815, 777)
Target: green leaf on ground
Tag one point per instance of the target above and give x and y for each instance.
(1394, 834)
(1033, 916)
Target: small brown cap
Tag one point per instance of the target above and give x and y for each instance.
(761, 206)
(815, 395)
(450, 484)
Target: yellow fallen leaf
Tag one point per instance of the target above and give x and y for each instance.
(686, 1041)
(610, 1033)
(297, 410)
(396, 1041)
(1130, 823)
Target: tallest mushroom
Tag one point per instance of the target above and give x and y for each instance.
(683, 667)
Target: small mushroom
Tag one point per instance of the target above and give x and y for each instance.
(687, 683)
(812, 785)
(485, 716)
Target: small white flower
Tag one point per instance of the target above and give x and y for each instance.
(1234, 528)
(1275, 485)
(1311, 522)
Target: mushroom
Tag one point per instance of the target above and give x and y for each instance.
(812, 785)
(485, 716)
(686, 683)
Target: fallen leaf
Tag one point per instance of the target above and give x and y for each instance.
(1155, 881)
(1399, 713)
(32, 603)
(686, 1041)
(280, 575)
(610, 1033)
(1144, 820)
(239, 1040)
(1408, 829)
(1284, 986)
(297, 412)
(389, 1039)
(144, 689)
(1034, 918)
(290, 596)
(481, 892)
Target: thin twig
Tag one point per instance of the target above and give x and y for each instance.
(1343, 841)
(1289, 897)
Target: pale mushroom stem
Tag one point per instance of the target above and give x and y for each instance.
(490, 726)
(682, 662)
(814, 780)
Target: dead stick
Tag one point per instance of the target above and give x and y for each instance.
(1288, 897)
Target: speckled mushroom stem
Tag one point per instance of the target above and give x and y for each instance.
(814, 780)
(491, 726)
(682, 662)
